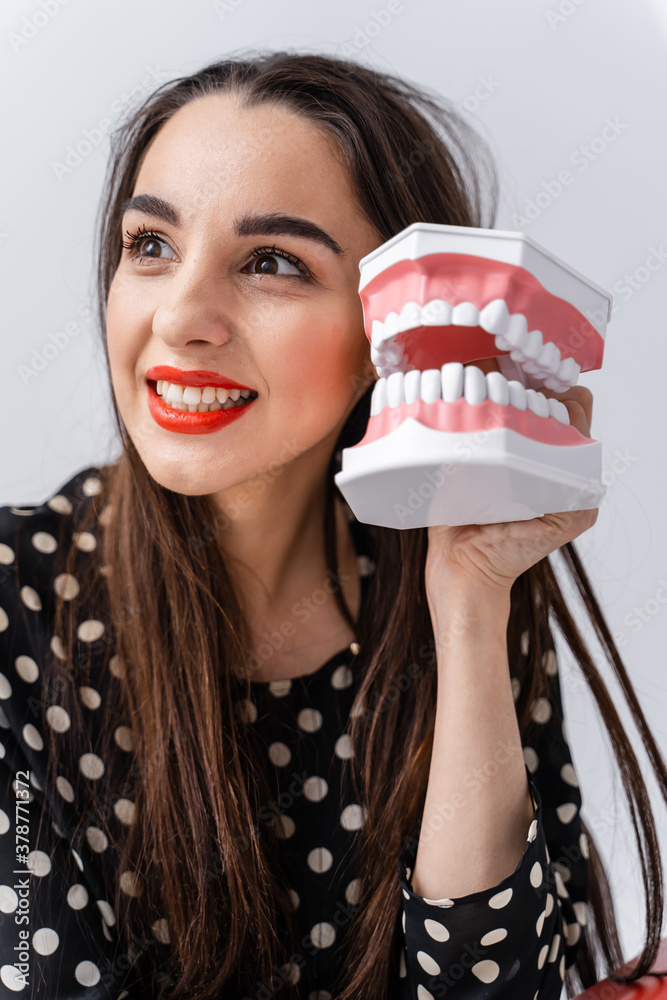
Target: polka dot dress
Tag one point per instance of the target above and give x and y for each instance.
(527, 929)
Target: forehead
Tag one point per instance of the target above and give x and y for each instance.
(216, 150)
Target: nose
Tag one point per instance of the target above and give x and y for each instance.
(195, 312)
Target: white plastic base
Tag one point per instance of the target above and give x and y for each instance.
(466, 478)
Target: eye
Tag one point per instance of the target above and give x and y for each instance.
(143, 237)
(263, 264)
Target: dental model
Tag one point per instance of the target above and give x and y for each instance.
(445, 443)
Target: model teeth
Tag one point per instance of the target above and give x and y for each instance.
(511, 334)
(455, 380)
(191, 398)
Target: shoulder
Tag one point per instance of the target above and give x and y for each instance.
(34, 540)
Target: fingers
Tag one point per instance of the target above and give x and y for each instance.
(579, 402)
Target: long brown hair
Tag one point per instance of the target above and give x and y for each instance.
(195, 852)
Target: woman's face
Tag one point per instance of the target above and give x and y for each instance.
(197, 298)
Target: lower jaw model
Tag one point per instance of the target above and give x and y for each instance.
(447, 443)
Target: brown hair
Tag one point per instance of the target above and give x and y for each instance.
(178, 628)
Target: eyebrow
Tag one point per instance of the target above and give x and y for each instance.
(269, 224)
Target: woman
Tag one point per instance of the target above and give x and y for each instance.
(249, 787)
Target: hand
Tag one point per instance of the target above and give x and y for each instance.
(492, 556)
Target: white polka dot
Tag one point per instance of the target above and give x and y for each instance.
(5, 687)
(428, 963)
(532, 831)
(130, 884)
(486, 971)
(90, 697)
(500, 899)
(66, 586)
(352, 891)
(77, 896)
(4, 822)
(323, 935)
(567, 812)
(444, 903)
(87, 973)
(8, 899)
(97, 839)
(247, 710)
(572, 933)
(57, 647)
(493, 937)
(44, 542)
(516, 688)
(280, 688)
(365, 565)
(309, 719)
(31, 598)
(65, 789)
(536, 874)
(90, 488)
(9, 975)
(105, 515)
(550, 663)
(39, 863)
(33, 737)
(320, 859)
(402, 971)
(531, 759)
(351, 818)
(583, 845)
(423, 993)
(525, 643)
(285, 826)
(125, 810)
(568, 775)
(2, 750)
(77, 859)
(342, 677)
(161, 930)
(58, 718)
(60, 504)
(26, 668)
(549, 904)
(280, 754)
(91, 766)
(555, 945)
(117, 667)
(436, 930)
(6, 555)
(294, 896)
(34, 782)
(539, 926)
(540, 710)
(90, 630)
(4, 620)
(315, 788)
(542, 957)
(84, 540)
(108, 915)
(343, 747)
(45, 941)
(23, 511)
(124, 738)
(561, 967)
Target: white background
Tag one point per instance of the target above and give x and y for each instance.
(555, 72)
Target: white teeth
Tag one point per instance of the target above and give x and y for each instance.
(495, 316)
(437, 312)
(509, 331)
(208, 394)
(454, 380)
(192, 395)
(412, 385)
(497, 388)
(465, 314)
(160, 383)
(430, 385)
(474, 388)
(174, 393)
(517, 394)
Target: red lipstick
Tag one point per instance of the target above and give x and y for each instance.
(196, 378)
(183, 422)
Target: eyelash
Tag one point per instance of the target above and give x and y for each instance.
(139, 235)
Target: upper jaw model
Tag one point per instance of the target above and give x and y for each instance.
(445, 443)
